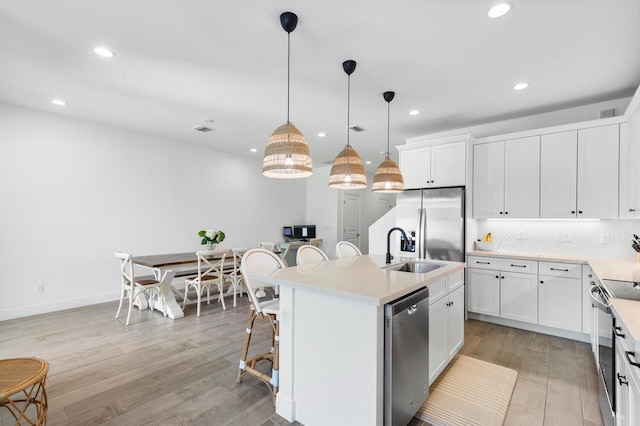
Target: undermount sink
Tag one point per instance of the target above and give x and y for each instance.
(416, 267)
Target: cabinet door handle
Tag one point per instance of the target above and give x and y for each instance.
(573, 212)
(500, 212)
(618, 332)
(579, 211)
(497, 276)
(630, 354)
(622, 380)
(541, 282)
(559, 269)
(518, 266)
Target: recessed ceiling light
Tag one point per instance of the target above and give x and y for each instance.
(253, 150)
(322, 134)
(499, 10)
(58, 102)
(367, 162)
(414, 112)
(104, 52)
(520, 86)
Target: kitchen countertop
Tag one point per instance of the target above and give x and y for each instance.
(605, 269)
(361, 278)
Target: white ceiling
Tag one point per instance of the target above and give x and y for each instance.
(180, 62)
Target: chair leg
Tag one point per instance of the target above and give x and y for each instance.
(245, 345)
(199, 295)
(131, 299)
(122, 294)
(275, 372)
(186, 290)
(220, 293)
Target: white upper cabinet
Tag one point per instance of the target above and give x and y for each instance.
(433, 166)
(629, 167)
(579, 173)
(488, 180)
(506, 179)
(598, 154)
(558, 174)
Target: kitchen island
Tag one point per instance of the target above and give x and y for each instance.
(332, 336)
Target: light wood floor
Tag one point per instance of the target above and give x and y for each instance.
(159, 371)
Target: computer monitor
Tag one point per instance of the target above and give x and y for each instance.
(304, 232)
(287, 231)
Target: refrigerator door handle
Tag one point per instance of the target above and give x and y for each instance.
(422, 233)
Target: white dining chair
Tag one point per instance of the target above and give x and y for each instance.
(210, 272)
(235, 274)
(261, 261)
(308, 254)
(133, 287)
(346, 249)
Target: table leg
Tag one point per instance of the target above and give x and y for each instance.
(173, 307)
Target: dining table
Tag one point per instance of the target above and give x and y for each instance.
(165, 268)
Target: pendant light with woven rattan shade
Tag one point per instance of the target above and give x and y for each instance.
(388, 177)
(347, 171)
(286, 156)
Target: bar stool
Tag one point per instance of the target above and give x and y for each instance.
(22, 389)
(261, 261)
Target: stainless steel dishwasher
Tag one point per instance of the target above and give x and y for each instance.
(406, 357)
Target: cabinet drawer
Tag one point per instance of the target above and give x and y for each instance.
(502, 264)
(438, 289)
(456, 279)
(567, 270)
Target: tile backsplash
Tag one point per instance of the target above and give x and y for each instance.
(601, 238)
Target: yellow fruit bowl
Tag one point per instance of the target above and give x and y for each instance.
(487, 245)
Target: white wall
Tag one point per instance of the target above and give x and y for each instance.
(73, 192)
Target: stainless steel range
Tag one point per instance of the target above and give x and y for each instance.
(601, 295)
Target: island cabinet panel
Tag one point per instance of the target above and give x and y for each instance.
(446, 321)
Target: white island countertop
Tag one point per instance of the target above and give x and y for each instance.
(362, 278)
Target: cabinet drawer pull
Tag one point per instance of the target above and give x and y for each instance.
(483, 263)
(622, 380)
(559, 269)
(630, 354)
(518, 266)
(618, 332)
(632, 210)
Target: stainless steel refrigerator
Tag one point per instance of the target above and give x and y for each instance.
(433, 220)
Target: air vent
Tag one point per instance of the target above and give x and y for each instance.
(203, 129)
(357, 128)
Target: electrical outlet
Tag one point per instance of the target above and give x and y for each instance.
(566, 237)
(40, 289)
(604, 238)
(521, 235)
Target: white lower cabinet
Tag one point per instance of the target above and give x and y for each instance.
(508, 291)
(446, 322)
(483, 291)
(626, 381)
(519, 297)
(544, 293)
(560, 296)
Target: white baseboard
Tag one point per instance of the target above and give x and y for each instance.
(45, 308)
(286, 407)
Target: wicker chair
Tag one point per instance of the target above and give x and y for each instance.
(261, 261)
(346, 249)
(308, 254)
